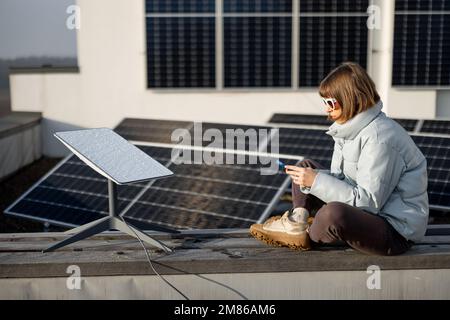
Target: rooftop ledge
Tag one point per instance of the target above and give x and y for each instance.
(44, 69)
(15, 122)
(198, 252)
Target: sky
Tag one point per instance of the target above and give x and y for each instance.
(35, 28)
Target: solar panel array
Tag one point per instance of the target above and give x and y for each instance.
(198, 196)
(257, 41)
(330, 32)
(257, 47)
(181, 49)
(421, 43)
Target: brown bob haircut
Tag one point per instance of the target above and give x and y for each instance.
(352, 87)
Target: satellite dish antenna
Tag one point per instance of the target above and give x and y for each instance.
(121, 163)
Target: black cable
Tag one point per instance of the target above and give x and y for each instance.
(166, 281)
(150, 261)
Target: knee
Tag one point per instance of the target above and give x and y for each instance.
(333, 214)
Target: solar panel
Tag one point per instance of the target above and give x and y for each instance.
(419, 5)
(257, 50)
(257, 5)
(303, 119)
(150, 130)
(198, 196)
(437, 152)
(180, 44)
(333, 5)
(309, 143)
(317, 120)
(437, 217)
(331, 32)
(421, 54)
(436, 126)
(235, 136)
(185, 6)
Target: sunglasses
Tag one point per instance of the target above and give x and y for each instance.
(330, 103)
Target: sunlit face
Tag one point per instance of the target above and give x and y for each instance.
(333, 109)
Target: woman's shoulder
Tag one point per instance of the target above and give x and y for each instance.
(386, 131)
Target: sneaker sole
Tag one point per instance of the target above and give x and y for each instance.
(280, 239)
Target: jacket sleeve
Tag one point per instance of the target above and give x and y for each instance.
(335, 169)
(378, 173)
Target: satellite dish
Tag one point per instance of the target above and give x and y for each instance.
(121, 163)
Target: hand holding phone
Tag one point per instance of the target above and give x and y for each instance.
(281, 165)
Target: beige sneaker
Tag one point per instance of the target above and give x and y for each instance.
(284, 232)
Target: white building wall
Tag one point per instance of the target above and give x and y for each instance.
(111, 84)
(443, 103)
(336, 285)
(412, 103)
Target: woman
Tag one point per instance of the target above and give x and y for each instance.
(374, 198)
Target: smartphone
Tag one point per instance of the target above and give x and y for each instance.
(281, 165)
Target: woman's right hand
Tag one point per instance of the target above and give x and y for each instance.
(303, 177)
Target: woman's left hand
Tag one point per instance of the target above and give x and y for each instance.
(303, 177)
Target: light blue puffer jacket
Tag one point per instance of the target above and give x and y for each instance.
(377, 167)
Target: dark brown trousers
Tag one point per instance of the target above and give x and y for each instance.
(339, 222)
